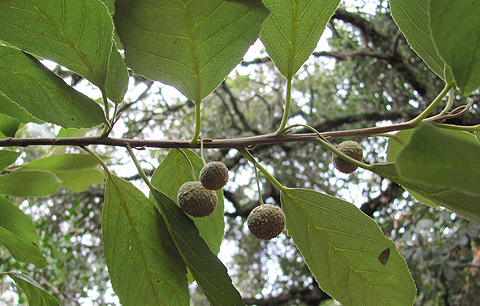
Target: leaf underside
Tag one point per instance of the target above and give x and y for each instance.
(44, 95)
(75, 34)
(291, 32)
(343, 249)
(191, 45)
(143, 262)
(412, 17)
(456, 31)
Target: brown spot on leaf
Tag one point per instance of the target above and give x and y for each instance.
(383, 257)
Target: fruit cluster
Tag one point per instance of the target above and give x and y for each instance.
(266, 221)
(198, 198)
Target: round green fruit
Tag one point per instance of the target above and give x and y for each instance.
(214, 175)
(352, 149)
(195, 200)
(266, 221)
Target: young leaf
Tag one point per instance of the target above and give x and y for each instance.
(10, 108)
(29, 183)
(7, 158)
(456, 200)
(191, 45)
(209, 272)
(28, 83)
(75, 34)
(143, 262)
(172, 173)
(36, 295)
(412, 18)
(456, 32)
(343, 249)
(18, 235)
(291, 32)
(435, 157)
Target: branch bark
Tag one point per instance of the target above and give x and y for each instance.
(241, 142)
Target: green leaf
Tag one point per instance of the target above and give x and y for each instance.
(63, 162)
(436, 157)
(10, 108)
(28, 83)
(81, 179)
(345, 250)
(7, 158)
(8, 125)
(342, 246)
(116, 84)
(395, 145)
(15, 221)
(36, 295)
(191, 45)
(455, 28)
(18, 235)
(75, 34)
(77, 171)
(29, 183)
(22, 250)
(458, 201)
(412, 18)
(143, 262)
(110, 4)
(71, 132)
(291, 32)
(209, 272)
(172, 173)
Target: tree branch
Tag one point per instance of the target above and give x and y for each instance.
(241, 142)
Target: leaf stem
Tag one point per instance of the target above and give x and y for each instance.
(100, 161)
(391, 136)
(449, 104)
(260, 199)
(201, 152)
(190, 163)
(270, 177)
(139, 168)
(198, 117)
(416, 121)
(286, 111)
(325, 143)
(108, 127)
(472, 128)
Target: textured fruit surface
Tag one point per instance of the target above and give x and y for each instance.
(352, 149)
(195, 200)
(214, 175)
(266, 221)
